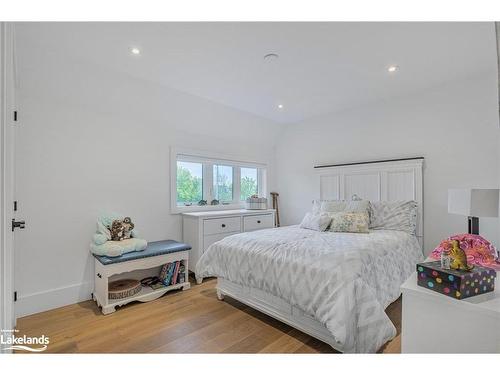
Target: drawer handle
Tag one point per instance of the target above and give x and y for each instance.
(223, 225)
(258, 221)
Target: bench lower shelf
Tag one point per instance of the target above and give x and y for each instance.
(145, 295)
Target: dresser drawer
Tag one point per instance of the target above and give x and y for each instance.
(256, 222)
(223, 225)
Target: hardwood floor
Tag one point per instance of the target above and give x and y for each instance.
(191, 321)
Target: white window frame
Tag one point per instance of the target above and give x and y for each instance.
(208, 160)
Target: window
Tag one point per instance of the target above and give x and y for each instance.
(249, 184)
(189, 182)
(197, 180)
(223, 183)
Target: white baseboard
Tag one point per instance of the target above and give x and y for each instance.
(51, 299)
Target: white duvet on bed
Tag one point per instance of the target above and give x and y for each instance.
(345, 280)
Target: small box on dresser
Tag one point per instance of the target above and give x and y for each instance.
(456, 283)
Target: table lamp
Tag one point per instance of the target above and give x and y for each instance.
(473, 203)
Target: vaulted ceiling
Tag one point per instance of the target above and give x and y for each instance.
(321, 68)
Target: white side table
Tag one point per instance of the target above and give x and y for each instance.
(435, 323)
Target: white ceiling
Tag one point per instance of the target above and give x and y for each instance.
(323, 67)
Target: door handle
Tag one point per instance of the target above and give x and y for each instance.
(18, 224)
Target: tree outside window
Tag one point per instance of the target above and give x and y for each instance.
(249, 185)
(189, 182)
(223, 183)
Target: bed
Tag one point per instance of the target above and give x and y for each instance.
(332, 286)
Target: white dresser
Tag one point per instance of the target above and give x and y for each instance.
(201, 229)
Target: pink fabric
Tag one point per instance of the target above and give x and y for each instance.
(478, 250)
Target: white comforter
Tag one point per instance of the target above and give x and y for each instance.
(345, 280)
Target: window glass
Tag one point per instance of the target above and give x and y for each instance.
(189, 182)
(248, 185)
(223, 183)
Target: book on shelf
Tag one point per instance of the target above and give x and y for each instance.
(168, 277)
(170, 273)
(176, 272)
(181, 278)
(163, 272)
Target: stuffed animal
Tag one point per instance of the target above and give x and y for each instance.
(458, 258)
(116, 230)
(115, 235)
(128, 227)
(121, 229)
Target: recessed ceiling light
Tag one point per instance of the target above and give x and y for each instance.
(280, 106)
(393, 68)
(135, 51)
(271, 57)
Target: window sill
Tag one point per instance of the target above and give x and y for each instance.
(196, 208)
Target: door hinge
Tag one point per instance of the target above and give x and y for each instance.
(15, 115)
(18, 224)
(15, 296)
(15, 205)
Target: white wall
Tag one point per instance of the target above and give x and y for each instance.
(92, 140)
(454, 126)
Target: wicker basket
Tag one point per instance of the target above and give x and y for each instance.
(123, 288)
(256, 203)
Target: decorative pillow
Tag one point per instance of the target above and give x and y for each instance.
(353, 222)
(317, 222)
(333, 206)
(316, 206)
(340, 206)
(478, 250)
(398, 215)
(357, 206)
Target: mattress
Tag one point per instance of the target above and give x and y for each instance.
(344, 280)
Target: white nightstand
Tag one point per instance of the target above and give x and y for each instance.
(435, 323)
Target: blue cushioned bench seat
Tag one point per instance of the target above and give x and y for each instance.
(154, 249)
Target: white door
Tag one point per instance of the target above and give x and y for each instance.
(7, 126)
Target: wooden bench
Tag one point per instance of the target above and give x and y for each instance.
(138, 265)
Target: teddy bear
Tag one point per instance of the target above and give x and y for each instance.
(121, 229)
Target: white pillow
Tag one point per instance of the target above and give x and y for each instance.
(397, 215)
(333, 206)
(340, 206)
(357, 206)
(318, 222)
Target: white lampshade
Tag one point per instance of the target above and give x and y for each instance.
(473, 202)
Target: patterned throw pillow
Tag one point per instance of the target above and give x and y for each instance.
(353, 222)
(397, 215)
(317, 222)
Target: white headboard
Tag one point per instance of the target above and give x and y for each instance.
(390, 180)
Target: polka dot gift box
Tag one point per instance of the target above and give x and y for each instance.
(455, 283)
